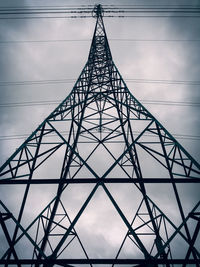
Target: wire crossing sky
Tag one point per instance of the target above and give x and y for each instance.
(109, 11)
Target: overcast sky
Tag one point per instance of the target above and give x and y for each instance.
(29, 61)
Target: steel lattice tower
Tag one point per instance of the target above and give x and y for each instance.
(99, 138)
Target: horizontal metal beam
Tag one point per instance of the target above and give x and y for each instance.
(101, 261)
(94, 180)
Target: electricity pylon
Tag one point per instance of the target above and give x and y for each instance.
(99, 140)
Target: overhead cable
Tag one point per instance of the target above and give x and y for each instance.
(54, 102)
(89, 40)
(24, 136)
(71, 80)
(127, 11)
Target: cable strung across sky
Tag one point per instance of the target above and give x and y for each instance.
(108, 11)
(24, 136)
(89, 40)
(54, 102)
(15, 83)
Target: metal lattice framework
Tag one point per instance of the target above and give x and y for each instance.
(100, 136)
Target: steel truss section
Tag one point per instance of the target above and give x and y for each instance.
(100, 138)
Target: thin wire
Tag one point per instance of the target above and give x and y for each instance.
(152, 8)
(66, 6)
(167, 12)
(54, 102)
(150, 11)
(19, 136)
(156, 40)
(163, 81)
(19, 10)
(89, 40)
(104, 5)
(107, 16)
(152, 16)
(136, 7)
(114, 10)
(168, 5)
(37, 82)
(170, 103)
(44, 41)
(56, 81)
(44, 12)
(47, 17)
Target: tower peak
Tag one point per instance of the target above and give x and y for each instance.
(98, 11)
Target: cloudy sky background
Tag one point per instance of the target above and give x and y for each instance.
(177, 61)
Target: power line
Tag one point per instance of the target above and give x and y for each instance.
(107, 8)
(54, 102)
(44, 12)
(136, 11)
(44, 41)
(153, 5)
(89, 40)
(47, 6)
(47, 17)
(37, 82)
(19, 136)
(170, 103)
(154, 10)
(163, 81)
(104, 5)
(57, 81)
(152, 16)
(79, 11)
(109, 16)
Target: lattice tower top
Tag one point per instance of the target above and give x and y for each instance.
(98, 11)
